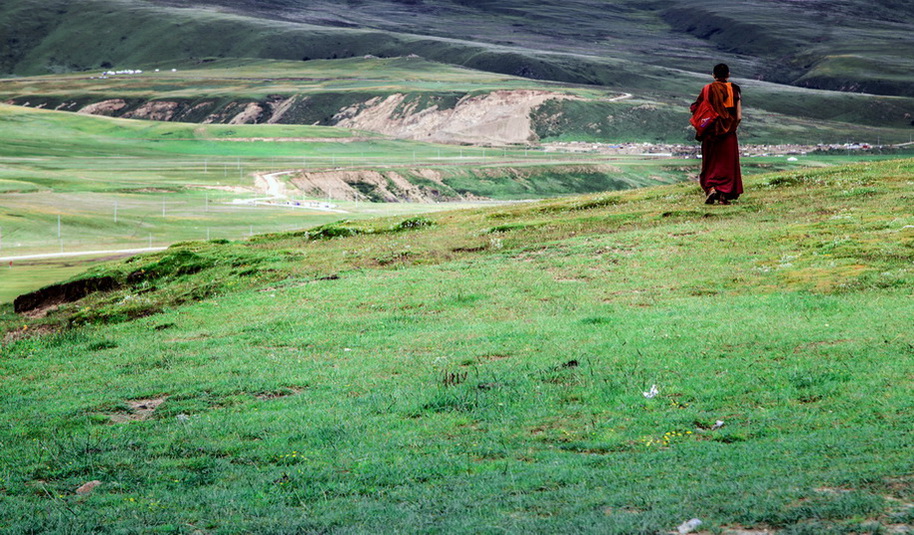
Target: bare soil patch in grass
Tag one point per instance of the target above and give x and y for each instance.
(141, 409)
(31, 331)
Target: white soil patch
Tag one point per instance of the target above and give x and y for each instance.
(105, 107)
(390, 186)
(498, 118)
(154, 111)
(279, 109)
(249, 116)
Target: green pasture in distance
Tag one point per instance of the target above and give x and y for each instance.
(774, 113)
(260, 78)
(88, 224)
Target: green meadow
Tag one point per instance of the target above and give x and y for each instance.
(73, 183)
(488, 370)
(296, 328)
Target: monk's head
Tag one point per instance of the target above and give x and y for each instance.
(721, 72)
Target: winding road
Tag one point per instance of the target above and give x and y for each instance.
(277, 195)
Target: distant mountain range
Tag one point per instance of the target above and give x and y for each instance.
(846, 45)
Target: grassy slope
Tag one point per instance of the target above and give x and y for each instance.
(169, 182)
(483, 370)
(642, 47)
(844, 44)
(549, 40)
(659, 112)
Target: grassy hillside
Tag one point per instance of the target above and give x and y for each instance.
(660, 52)
(71, 182)
(317, 92)
(846, 45)
(484, 370)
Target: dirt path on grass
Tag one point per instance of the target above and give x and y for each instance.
(623, 96)
(106, 252)
(276, 191)
(270, 184)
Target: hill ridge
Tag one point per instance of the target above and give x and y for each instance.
(533, 40)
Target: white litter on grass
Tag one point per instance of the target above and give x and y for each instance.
(652, 392)
(717, 425)
(690, 526)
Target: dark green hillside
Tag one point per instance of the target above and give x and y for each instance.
(844, 45)
(849, 45)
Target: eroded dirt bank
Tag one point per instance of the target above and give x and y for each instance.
(500, 117)
(440, 185)
(495, 118)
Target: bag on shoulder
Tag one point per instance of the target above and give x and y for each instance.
(703, 115)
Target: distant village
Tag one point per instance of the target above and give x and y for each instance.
(124, 72)
(661, 150)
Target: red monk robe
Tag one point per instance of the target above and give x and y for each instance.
(720, 177)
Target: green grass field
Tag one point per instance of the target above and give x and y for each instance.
(484, 370)
(529, 342)
(71, 183)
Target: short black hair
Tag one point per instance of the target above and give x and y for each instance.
(721, 71)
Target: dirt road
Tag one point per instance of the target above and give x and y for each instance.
(109, 252)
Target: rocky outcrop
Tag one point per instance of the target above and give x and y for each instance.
(370, 185)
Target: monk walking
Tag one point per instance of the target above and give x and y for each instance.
(720, 177)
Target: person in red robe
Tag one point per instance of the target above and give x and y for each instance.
(720, 177)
